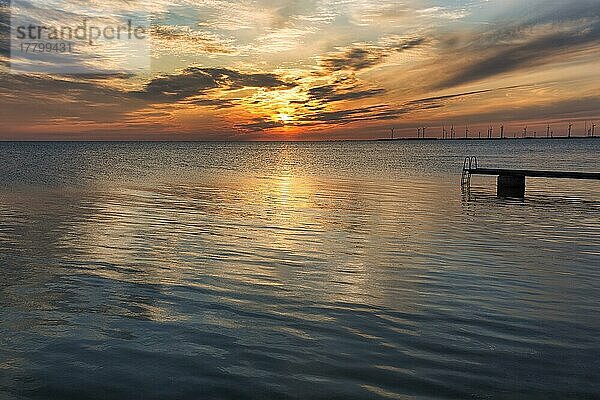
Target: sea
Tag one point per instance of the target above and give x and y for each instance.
(309, 270)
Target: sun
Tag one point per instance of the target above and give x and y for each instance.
(285, 118)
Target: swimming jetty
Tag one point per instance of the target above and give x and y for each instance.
(511, 182)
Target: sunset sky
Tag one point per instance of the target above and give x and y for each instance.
(326, 69)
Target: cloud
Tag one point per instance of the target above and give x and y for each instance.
(194, 81)
(361, 56)
(259, 125)
(47, 104)
(341, 88)
(320, 114)
(552, 37)
(26, 87)
(107, 98)
(443, 12)
(352, 115)
(331, 93)
(375, 61)
(363, 13)
(181, 40)
(436, 99)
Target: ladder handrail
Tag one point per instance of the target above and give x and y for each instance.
(469, 164)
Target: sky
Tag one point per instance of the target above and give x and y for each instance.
(320, 70)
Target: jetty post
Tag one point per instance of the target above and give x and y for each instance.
(510, 185)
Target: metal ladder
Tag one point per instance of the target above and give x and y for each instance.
(469, 164)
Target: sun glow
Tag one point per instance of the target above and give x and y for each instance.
(285, 118)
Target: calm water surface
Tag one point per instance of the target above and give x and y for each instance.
(274, 271)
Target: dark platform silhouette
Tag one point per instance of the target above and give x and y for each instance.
(511, 182)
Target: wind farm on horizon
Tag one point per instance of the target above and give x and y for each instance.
(567, 132)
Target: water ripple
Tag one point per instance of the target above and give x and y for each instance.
(336, 270)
